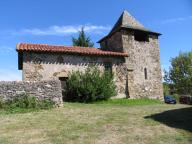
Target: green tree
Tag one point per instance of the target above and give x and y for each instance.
(180, 73)
(82, 40)
(166, 89)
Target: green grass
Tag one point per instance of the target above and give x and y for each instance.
(130, 102)
(114, 122)
(18, 110)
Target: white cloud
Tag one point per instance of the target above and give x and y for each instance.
(173, 20)
(5, 49)
(66, 30)
(10, 75)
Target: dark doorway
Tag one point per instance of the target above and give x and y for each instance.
(63, 81)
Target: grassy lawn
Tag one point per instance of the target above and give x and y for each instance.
(112, 122)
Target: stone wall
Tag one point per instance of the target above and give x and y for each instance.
(113, 43)
(142, 54)
(50, 66)
(42, 90)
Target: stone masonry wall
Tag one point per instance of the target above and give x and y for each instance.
(113, 43)
(143, 55)
(42, 90)
(49, 66)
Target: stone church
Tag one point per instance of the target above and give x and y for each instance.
(130, 51)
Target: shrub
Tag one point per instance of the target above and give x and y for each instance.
(176, 96)
(45, 104)
(25, 101)
(90, 86)
(1, 103)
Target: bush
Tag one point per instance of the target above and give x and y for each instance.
(176, 97)
(25, 101)
(90, 86)
(1, 103)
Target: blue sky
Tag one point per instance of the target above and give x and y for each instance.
(56, 21)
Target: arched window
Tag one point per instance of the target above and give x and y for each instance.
(145, 73)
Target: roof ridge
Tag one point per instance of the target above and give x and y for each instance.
(66, 49)
(55, 45)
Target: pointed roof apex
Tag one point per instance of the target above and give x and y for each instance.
(127, 21)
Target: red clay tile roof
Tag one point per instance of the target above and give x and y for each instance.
(66, 49)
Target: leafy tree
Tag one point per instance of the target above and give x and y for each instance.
(166, 88)
(180, 73)
(82, 40)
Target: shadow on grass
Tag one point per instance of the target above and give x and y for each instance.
(177, 118)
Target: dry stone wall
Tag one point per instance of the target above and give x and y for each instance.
(42, 90)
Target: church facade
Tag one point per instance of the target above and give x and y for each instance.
(130, 51)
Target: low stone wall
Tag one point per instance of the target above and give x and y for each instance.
(42, 90)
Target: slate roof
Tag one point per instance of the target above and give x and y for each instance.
(66, 49)
(127, 21)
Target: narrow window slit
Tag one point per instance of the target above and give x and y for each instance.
(145, 72)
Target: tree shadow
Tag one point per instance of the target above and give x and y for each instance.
(177, 118)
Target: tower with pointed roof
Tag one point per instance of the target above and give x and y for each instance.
(143, 67)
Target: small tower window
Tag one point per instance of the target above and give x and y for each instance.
(145, 73)
(141, 36)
